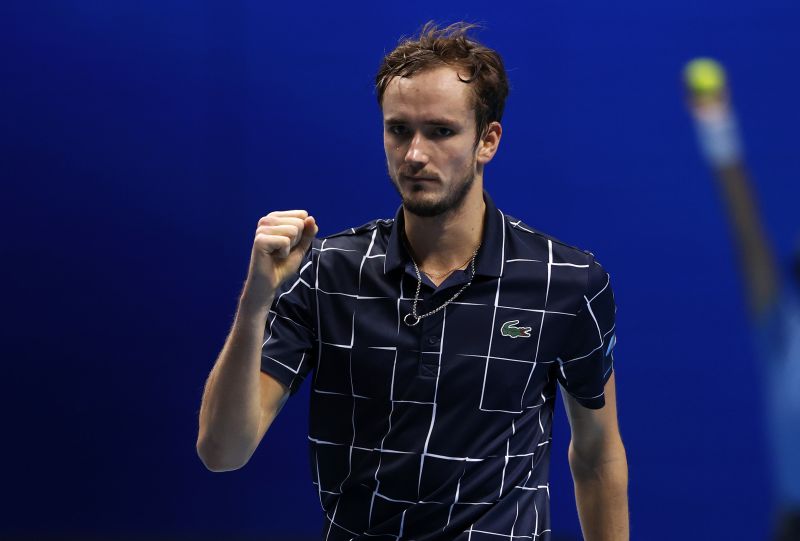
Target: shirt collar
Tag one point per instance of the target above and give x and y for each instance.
(489, 261)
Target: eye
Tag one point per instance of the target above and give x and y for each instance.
(443, 132)
(397, 129)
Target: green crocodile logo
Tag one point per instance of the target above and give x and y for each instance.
(510, 328)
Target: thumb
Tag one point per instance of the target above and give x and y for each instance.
(310, 230)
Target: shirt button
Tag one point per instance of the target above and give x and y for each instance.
(433, 340)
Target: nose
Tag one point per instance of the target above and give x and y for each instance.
(416, 155)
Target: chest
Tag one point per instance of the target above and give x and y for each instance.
(491, 349)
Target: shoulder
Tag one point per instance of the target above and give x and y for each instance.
(354, 233)
(356, 240)
(567, 262)
(536, 240)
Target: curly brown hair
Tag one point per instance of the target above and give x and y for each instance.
(482, 67)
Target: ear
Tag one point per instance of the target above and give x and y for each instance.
(487, 146)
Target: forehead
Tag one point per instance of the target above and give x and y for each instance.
(431, 93)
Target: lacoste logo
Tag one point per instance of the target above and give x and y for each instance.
(510, 328)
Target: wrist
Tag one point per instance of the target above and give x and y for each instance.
(718, 134)
(254, 305)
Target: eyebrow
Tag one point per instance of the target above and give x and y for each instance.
(436, 121)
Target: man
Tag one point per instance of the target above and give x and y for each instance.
(773, 296)
(436, 339)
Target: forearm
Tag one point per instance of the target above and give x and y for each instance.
(601, 492)
(752, 244)
(231, 413)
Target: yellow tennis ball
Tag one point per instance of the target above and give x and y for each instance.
(704, 76)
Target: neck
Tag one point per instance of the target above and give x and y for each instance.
(440, 243)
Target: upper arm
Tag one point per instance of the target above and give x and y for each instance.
(586, 360)
(593, 429)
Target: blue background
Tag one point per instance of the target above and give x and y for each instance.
(141, 142)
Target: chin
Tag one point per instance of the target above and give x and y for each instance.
(425, 211)
(430, 199)
(425, 207)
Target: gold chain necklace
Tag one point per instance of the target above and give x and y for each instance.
(446, 273)
(416, 318)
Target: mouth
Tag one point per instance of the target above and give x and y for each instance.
(409, 178)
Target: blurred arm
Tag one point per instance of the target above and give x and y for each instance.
(718, 135)
(755, 253)
(599, 468)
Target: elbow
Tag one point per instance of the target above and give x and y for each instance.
(217, 459)
(605, 459)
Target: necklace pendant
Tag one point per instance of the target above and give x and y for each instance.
(413, 321)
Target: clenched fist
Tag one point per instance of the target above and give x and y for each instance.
(282, 239)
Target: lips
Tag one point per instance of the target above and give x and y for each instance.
(418, 179)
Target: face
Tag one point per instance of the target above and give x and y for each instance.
(429, 138)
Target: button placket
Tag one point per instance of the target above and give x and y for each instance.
(429, 344)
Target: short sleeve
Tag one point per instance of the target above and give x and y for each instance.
(289, 349)
(587, 359)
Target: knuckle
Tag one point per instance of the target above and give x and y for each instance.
(276, 230)
(271, 243)
(273, 219)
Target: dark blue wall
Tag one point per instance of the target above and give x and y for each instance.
(141, 142)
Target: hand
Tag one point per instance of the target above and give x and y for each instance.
(281, 241)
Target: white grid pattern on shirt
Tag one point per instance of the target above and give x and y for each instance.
(488, 357)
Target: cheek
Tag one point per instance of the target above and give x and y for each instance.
(463, 160)
(462, 151)
(390, 150)
(393, 155)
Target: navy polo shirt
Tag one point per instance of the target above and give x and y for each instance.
(441, 430)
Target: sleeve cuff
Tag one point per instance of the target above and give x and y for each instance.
(594, 402)
(281, 373)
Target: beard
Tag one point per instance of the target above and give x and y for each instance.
(428, 208)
